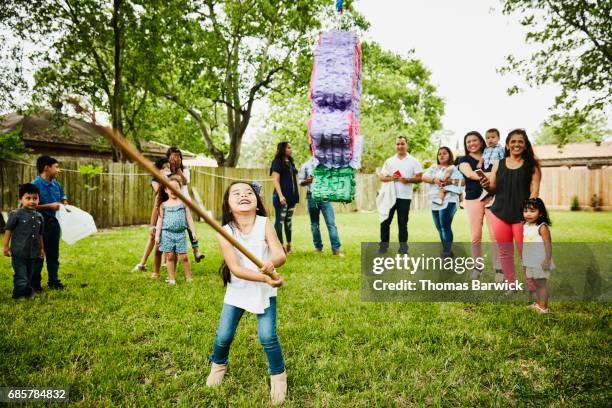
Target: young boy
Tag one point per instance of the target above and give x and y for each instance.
(51, 196)
(23, 240)
(492, 153)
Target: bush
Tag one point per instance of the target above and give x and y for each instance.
(11, 145)
(575, 204)
(596, 202)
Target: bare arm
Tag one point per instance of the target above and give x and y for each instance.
(468, 172)
(50, 206)
(535, 183)
(545, 234)
(277, 255)
(158, 227)
(7, 240)
(416, 179)
(233, 263)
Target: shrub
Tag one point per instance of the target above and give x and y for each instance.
(575, 204)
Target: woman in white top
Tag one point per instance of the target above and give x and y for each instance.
(444, 211)
(403, 170)
(249, 288)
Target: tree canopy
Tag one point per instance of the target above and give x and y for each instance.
(575, 53)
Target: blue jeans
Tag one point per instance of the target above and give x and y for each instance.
(266, 328)
(23, 269)
(443, 220)
(327, 209)
(51, 239)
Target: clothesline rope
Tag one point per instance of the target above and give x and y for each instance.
(141, 174)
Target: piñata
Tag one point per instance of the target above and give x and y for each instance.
(335, 94)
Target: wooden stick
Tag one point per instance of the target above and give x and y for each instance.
(135, 155)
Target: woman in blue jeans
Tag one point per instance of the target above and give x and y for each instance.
(444, 212)
(286, 194)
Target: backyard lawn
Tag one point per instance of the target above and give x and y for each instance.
(117, 338)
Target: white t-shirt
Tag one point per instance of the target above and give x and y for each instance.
(251, 296)
(408, 167)
(184, 188)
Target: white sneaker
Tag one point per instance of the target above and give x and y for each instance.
(278, 388)
(476, 274)
(139, 267)
(171, 281)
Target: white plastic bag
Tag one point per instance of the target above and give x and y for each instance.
(76, 224)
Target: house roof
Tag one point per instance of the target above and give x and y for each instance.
(39, 129)
(575, 154)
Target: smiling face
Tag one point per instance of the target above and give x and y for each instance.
(242, 198)
(473, 144)
(516, 145)
(29, 200)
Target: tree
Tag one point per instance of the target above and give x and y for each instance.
(234, 54)
(576, 54)
(91, 49)
(592, 130)
(397, 99)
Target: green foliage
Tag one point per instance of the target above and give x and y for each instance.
(11, 144)
(398, 99)
(89, 171)
(573, 129)
(574, 53)
(575, 204)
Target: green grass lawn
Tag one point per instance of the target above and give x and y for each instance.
(121, 339)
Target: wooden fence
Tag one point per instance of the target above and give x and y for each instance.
(122, 195)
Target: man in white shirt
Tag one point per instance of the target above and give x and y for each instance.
(405, 171)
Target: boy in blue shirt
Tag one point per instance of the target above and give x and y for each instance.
(51, 196)
(23, 240)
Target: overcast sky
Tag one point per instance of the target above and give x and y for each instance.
(462, 43)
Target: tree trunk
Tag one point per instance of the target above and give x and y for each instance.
(117, 98)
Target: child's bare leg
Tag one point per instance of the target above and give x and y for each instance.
(171, 265)
(186, 266)
(147, 251)
(157, 259)
(441, 193)
(542, 293)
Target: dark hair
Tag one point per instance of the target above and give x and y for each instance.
(450, 155)
(227, 218)
(537, 204)
(175, 149)
(159, 163)
(28, 188)
(493, 130)
(402, 137)
(531, 162)
(44, 161)
(280, 153)
(479, 136)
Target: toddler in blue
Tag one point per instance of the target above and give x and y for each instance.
(174, 219)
